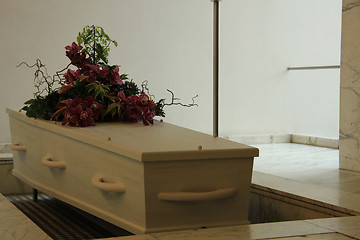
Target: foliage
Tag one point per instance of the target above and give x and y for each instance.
(92, 90)
(41, 107)
(96, 44)
(100, 91)
(159, 108)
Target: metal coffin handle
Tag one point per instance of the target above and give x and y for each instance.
(49, 162)
(198, 196)
(18, 147)
(99, 182)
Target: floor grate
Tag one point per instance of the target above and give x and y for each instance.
(63, 221)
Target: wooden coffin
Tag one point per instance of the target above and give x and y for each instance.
(141, 178)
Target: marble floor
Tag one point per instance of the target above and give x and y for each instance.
(306, 164)
(302, 170)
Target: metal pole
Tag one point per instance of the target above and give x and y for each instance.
(216, 70)
(313, 67)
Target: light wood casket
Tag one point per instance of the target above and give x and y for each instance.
(141, 178)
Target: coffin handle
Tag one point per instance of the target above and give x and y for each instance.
(49, 162)
(18, 147)
(99, 182)
(198, 196)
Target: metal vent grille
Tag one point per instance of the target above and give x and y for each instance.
(63, 221)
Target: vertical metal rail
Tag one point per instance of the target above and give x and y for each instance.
(216, 70)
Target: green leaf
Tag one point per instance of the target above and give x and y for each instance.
(112, 108)
(79, 39)
(30, 101)
(96, 43)
(100, 90)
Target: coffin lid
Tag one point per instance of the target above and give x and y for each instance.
(159, 142)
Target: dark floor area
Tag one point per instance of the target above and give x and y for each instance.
(63, 221)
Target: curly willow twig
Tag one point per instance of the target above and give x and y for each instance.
(174, 99)
(145, 89)
(42, 80)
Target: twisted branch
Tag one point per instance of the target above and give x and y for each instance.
(60, 71)
(145, 89)
(42, 80)
(175, 99)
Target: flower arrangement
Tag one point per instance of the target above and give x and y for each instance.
(92, 90)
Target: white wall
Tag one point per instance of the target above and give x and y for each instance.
(314, 102)
(314, 95)
(168, 42)
(259, 96)
(253, 59)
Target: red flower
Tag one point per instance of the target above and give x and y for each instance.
(144, 100)
(94, 106)
(123, 98)
(80, 112)
(73, 48)
(133, 99)
(77, 58)
(148, 116)
(132, 114)
(114, 76)
(71, 76)
(101, 71)
(138, 108)
(104, 74)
